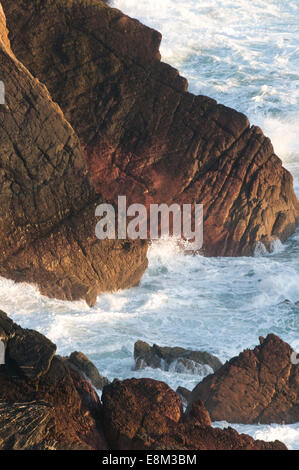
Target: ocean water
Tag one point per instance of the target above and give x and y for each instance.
(245, 55)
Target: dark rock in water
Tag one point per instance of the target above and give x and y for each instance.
(143, 134)
(26, 426)
(258, 386)
(145, 356)
(145, 414)
(180, 359)
(185, 394)
(47, 201)
(36, 386)
(79, 362)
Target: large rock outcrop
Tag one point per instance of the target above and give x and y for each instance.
(43, 403)
(145, 414)
(258, 386)
(47, 201)
(143, 134)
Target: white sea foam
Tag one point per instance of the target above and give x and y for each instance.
(289, 434)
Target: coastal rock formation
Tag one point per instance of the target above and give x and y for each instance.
(146, 414)
(258, 386)
(180, 359)
(54, 408)
(81, 364)
(47, 201)
(44, 404)
(143, 134)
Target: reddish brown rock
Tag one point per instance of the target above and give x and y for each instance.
(146, 414)
(143, 134)
(258, 386)
(51, 407)
(3, 30)
(47, 201)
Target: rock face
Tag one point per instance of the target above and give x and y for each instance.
(179, 358)
(81, 364)
(47, 201)
(258, 386)
(43, 404)
(146, 414)
(26, 426)
(143, 134)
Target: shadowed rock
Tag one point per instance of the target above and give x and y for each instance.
(47, 201)
(143, 134)
(42, 403)
(79, 362)
(180, 359)
(26, 426)
(30, 352)
(258, 386)
(145, 414)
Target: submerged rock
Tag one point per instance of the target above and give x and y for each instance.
(177, 359)
(143, 134)
(145, 414)
(47, 201)
(258, 386)
(80, 363)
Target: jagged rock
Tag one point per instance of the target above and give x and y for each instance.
(145, 414)
(164, 357)
(30, 352)
(7, 327)
(185, 395)
(37, 386)
(26, 351)
(143, 134)
(47, 201)
(258, 386)
(134, 410)
(79, 362)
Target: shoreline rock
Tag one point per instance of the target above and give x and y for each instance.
(259, 386)
(144, 414)
(47, 202)
(49, 406)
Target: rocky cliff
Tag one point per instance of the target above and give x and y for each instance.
(143, 134)
(259, 386)
(47, 201)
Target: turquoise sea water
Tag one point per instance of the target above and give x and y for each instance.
(245, 55)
